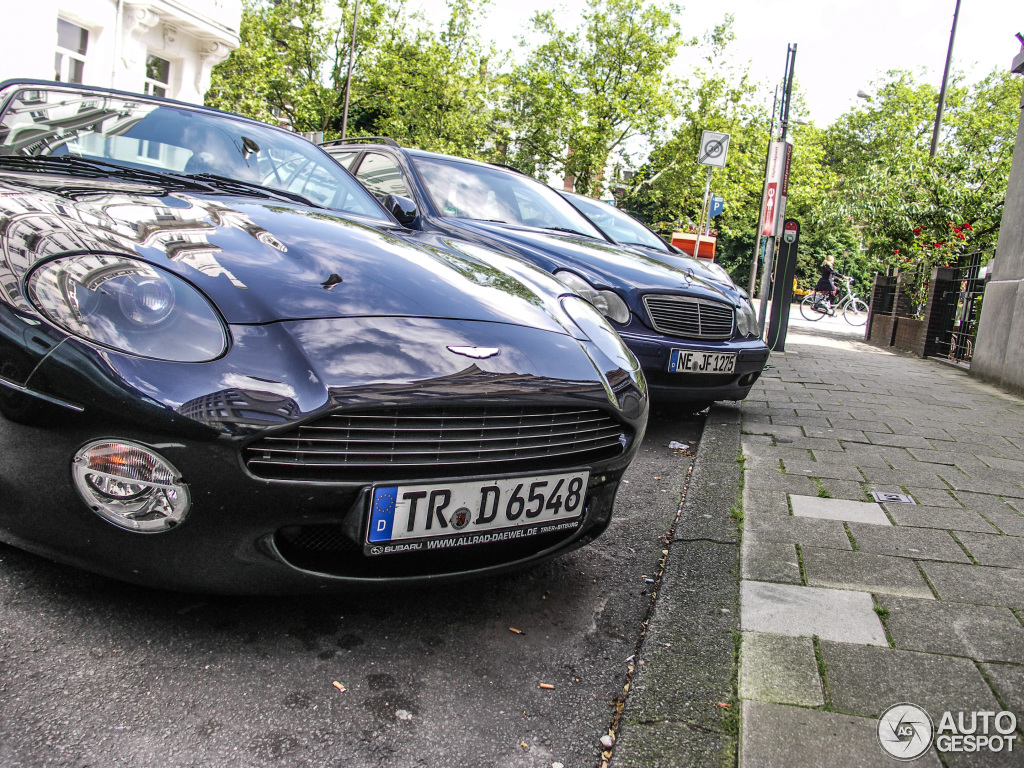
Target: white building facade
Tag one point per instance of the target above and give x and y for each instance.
(166, 48)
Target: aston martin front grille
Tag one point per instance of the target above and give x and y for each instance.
(690, 318)
(395, 442)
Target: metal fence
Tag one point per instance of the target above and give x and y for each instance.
(959, 307)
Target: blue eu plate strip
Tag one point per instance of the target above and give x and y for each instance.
(383, 515)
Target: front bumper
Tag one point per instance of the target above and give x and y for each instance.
(653, 351)
(246, 534)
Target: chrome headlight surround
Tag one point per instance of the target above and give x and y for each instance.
(608, 303)
(130, 485)
(127, 305)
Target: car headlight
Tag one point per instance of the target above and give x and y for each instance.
(746, 319)
(129, 306)
(719, 272)
(596, 329)
(130, 486)
(608, 303)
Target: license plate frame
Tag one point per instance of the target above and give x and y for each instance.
(691, 360)
(475, 511)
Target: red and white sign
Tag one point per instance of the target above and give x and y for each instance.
(779, 157)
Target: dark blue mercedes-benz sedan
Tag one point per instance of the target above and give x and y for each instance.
(695, 337)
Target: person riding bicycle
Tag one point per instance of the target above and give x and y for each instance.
(827, 282)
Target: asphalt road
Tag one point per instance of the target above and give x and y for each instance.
(98, 674)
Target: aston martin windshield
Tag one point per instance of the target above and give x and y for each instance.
(622, 227)
(471, 191)
(166, 138)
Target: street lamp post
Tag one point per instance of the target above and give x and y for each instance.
(348, 75)
(945, 80)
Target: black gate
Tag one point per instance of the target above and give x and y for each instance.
(960, 305)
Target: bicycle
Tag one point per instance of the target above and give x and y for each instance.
(816, 305)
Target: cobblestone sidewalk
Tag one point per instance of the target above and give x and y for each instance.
(849, 606)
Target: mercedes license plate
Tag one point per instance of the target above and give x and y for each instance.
(689, 361)
(440, 515)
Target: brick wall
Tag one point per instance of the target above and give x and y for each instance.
(882, 327)
(909, 335)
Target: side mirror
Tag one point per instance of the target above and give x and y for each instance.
(402, 208)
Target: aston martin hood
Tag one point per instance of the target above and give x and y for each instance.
(261, 261)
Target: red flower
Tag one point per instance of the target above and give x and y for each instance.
(897, 251)
(968, 227)
(917, 231)
(961, 236)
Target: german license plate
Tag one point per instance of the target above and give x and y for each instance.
(426, 516)
(689, 361)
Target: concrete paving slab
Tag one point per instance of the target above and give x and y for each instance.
(914, 543)
(786, 609)
(758, 501)
(863, 572)
(849, 457)
(851, 490)
(865, 680)
(770, 561)
(1008, 680)
(977, 584)
(1004, 551)
(780, 669)
(772, 479)
(797, 530)
(1002, 515)
(979, 632)
(904, 478)
(899, 441)
(939, 517)
(779, 736)
(821, 470)
(838, 509)
(933, 497)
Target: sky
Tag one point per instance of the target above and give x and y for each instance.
(842, 45)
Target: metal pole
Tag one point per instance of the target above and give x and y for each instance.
(945, 79)
(700, 224)
(769, 248)
(764, 193)
(348, 75)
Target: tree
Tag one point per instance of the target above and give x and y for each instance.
(581, 94)
(422, 88)
(913, 208)
(668, 190)
(431, 91)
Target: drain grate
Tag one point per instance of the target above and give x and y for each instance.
(892, 498)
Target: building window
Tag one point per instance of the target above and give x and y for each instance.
(72, 46)
(158, 75)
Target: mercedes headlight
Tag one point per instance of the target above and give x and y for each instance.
(719, 272)
(129, 306)
(608, 303)
(596, 329)
(746, 319)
